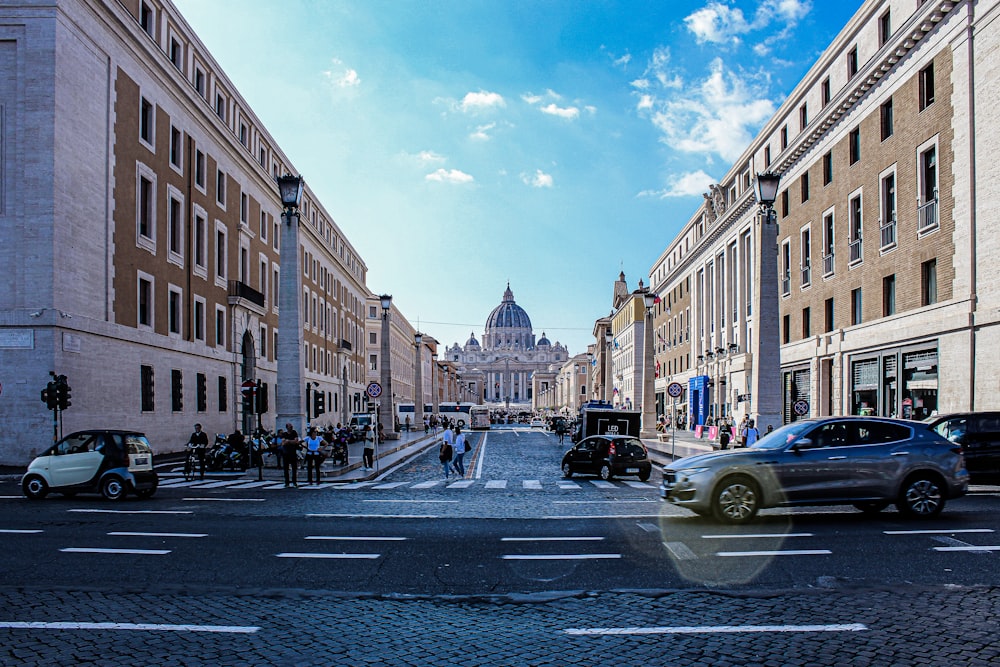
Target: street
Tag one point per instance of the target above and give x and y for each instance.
(512, 565)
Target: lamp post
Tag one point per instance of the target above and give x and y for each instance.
(288, 392)
(385, 369)
(435, 407)
(765, 385)
(418, 381)
(648, 429)
(609, 382)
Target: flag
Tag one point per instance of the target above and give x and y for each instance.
(656, 299)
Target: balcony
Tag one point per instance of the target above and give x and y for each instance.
(855, 247)
(927, 215)
(828, 265)
(345, 345)
(241, 294)
(888, 233)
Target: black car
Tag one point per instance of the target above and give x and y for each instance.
(608, 456)
(978, 434)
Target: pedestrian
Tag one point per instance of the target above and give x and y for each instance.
(313, 457)
(381, 434)
(448, 436)
(368, 457)
(427, 424)
(199, 442)
(290, 444)
(770, 427)
(460, 446)
(445, 453)
(407, 427)
(750, 434)
(725, 433)
(743, 431)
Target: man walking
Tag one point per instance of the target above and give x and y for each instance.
(289, 454)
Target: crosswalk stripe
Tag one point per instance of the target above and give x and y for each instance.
(216, 485)
(496, 484)
(426, 485)
(637, 485)
(464, 484)
(532, 484)
(251, 485)
(568, 485)
(390, 485)
(601, 484)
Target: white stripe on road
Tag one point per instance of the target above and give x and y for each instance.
(353, 485)
(568, 485)
(532, 484)
(224, 500)
(84, 511)
(717, 629)
(11, 497)
(390, 485)
(406, 500)
(372, 516)
(560, 556)
(39, 625)
(129, 534)
(602, 502)
(789, 552)
(464, 484)
(18, 532)
(637, 485)
(561, 517)
(356, 538)
(427, 485)
(601, 484)
(252, 485)
(680, 551)
(482, 457)
(755, 535)
(937, 532)
(139, 552)
(496, 484)
(968, 548)
(330, 556)
(216, 485)
(551, 539)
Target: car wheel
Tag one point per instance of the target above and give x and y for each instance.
(736, 500)
(567, 470)
(146, 493)
(35, 487)
(644, 477)
(113, 488)
(921, 496)
(873, 507)
(605, 472)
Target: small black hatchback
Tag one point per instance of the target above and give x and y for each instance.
(978, 433)
(608, 456)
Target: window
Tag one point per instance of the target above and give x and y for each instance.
(372, 338)
(928, 283)
(856, 306)
(828, 315)
(199, 81)
(146, 388)
(174, 311)
(804, 186)
(145, 213)
(199, 169)
(806, 325)
(828, 168)
(784, 137)
(373, 362)
(144, 301)
(220, 106)
(889, 295)
(176, 154)
(927, 207)
(884, 28)
(244, 208)
(201, 391)
(828, 238)
(175, 226)
(264, 224)
(855, 238)
(786, 268)
(146, 122)
(243, 134)
(784, 204)
(926, 79)
(887, 224)
(825, 91)
(176, 53)
(854, 141)
(262, 277)
(852, 62)
(885, 119)
(220, 188)
(147, 23)
(767, 156)
(200, 241)
(176, 390)
(806, 254)
(786, 329)
(199, 318)
(220, 326)
(803, 116)
(222, 393)
(220, 252)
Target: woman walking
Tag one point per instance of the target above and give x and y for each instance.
(456, 462)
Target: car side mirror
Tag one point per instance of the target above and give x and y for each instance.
(802, 443)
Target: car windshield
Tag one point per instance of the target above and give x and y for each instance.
(784, 436)
(137, 444)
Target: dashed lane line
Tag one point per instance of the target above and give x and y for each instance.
(717, 629)
(154, 627)
(13, 531)
(428, 485)
(464, 484)
(551, 539)
(786, 552)
(938, 532)
(356, 538)
(134, 534)
(561, 556)
(330, 556)
(98, 511)
(754, 536)
(222, 500)
(96, 550)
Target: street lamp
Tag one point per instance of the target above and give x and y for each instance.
(418, 381)
(648, 429)
(288, 392)
(765, 386)
(609, 337)
(385, 375)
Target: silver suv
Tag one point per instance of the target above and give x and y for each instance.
(866, 462)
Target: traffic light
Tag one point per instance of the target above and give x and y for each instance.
(63, 392)
(248, 400)
(50, 397)
(262, 406)
(319, 403)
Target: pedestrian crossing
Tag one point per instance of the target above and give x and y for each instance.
(375, 485)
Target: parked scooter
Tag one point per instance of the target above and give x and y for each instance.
(223, 456)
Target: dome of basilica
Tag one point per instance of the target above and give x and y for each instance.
(508, 314)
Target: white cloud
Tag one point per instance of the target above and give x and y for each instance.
(717, 23)
(341, 76)
(482, 100)
(790, 11)
(562, 112)
(449, 176)
(482, 132)
(538, 180)
(430, 156)
(684, 185)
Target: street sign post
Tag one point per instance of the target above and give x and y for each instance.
(801, 408)
(674, 390)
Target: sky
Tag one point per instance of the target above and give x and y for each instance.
(461, 145)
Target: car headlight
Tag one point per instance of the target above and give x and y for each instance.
(691, 471)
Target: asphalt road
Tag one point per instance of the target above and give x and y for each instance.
(512, 565)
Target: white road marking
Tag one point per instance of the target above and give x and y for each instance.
(162, 627)
(496, 484)
(602, 502)
(568, 485)
(482, 457)
(754, 535)
(86, 511)
(717, 629)
(937, 532)
(602, 484)
(532, 484)
(637, 485)
(330, 556)
(216, 485)
(372, 516)
(252, 485)
(789, 552)
(353, 485)
(427, 485)
(224, 500)
(390, 485)
(464, 484)
(551, 539)
(649, 527)
(139, 552)
(130, 534)
(968, 548)
(406, 500)
(356, 538)
(18, 532)
(560, 556)
(577, 517)
(680, 551)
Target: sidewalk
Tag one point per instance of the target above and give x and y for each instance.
(684, 443)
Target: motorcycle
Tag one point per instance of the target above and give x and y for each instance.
(223, 456)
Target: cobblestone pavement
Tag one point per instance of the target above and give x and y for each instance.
(869, 628)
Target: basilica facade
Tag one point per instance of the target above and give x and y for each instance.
(501, 368)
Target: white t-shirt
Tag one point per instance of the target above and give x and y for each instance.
(313, 444)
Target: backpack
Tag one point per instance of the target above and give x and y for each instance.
(468, 447)
(445, 453)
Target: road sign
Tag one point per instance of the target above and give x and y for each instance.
(247, 387)
(800, 408)
(374, 389)
(675, 389)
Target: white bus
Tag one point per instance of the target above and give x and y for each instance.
(479, 418)
(457, 412)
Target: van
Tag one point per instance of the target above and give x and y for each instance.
(361, 419)
(978, 433)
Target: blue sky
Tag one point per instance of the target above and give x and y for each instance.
(463, 144)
